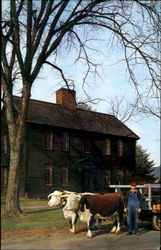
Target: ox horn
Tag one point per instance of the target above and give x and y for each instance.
(50, 195)
(67, 192)
(75, 194)
(64, 195)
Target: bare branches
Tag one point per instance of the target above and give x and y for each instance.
(150, 104)
(16, 35)
(86, 59)
(120, 108)
(69, 83)
(48, 26)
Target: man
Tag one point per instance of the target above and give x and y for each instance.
(133, 208)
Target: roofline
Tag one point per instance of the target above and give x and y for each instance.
(100, 113)
(83, 110)
(93, 132)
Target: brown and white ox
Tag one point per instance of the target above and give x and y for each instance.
(99, 206)
(59, 199)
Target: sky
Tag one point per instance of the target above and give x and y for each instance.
(112, 82)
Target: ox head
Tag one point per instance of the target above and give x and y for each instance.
(73, 202)
(55, 199)
(58, 198)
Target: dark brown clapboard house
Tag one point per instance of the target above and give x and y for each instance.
(69, 148)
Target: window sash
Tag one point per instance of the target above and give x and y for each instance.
(65, 142)
(87, 146)
(108, 147)
(64, 175)
(49, 140)
(120, 148)
(49, 176)
(107, 178)
(120, 176)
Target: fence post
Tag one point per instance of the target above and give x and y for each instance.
(149, 196)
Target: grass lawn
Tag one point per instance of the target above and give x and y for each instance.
(33, 219)
(28, 202)
(37, 221)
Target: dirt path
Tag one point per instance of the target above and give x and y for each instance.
(148, 240)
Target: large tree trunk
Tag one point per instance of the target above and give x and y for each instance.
(16, 128)
(12, 196)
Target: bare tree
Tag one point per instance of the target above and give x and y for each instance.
(121, 108)
(150, 103)
(35, 33)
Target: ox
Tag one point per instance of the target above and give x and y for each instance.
(99, 206)
(59, 199)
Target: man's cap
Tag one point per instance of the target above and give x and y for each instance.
(133, 183)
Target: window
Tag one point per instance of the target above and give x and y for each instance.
(87, 146)
(5, 144)
(65, 142)
(49, 176)
(64, 176)
(120, 148)
(107, 147)
(49, 142)
(120, 176)
(107, 177)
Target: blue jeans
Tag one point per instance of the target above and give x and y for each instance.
(132, 219)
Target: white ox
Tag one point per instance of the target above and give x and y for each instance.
(59, 199)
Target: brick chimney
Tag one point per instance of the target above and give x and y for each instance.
(66, 98)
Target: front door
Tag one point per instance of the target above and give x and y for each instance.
(89, 179)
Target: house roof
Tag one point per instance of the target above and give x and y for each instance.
(51, 114)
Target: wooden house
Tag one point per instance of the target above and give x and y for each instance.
(69, 148)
